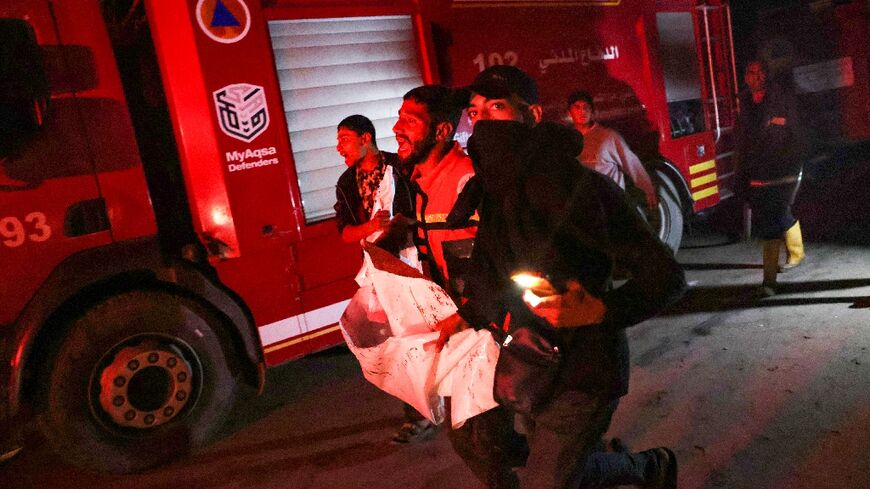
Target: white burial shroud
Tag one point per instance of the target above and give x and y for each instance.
(389, 326)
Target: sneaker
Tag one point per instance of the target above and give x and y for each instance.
(666, 477)
(415, 432)
(767, 291)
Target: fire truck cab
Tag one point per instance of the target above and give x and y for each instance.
(167, 175)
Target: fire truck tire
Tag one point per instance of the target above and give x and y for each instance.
(667, 221)
(139, 380)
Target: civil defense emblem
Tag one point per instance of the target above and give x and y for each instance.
(241, 110)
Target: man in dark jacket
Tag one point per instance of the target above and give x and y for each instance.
(542, 212)
(355, 194)
(357, 187)
(771, 148)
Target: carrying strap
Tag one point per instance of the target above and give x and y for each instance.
(428, 257)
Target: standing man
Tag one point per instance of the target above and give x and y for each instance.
(606, 152)
(771, 150)
(541, 211)
(355, 195)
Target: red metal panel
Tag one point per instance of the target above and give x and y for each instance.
(106, 122)
(425, 49)
(854, 42)
(53, 170)
(592, 46)
(217, 64)
(303, 345)
(172, 29)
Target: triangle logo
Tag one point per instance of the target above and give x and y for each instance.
(223, 17)
(224, 21)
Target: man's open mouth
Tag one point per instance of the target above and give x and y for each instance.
(404, 144)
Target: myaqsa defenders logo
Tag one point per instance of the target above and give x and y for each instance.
(225, 21)
(242, 111)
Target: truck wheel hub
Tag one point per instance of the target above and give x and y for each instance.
(145, 386)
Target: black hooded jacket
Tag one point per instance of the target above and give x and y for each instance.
(771, 137)
(541, 210)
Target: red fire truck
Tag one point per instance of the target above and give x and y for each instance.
(167, 176)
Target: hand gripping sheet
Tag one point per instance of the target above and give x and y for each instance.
(389, 326)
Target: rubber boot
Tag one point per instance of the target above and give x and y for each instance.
(770, 255)
(794, 243)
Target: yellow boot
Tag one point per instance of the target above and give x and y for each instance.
(794, 243)
(770, 255)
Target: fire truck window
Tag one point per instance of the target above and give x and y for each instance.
(329, 69)
(679, 57)
(25, 86)
(67, 136)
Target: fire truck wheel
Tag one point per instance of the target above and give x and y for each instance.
(139, 380)
(667, 219)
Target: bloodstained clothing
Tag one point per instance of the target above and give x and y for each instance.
(349, 206)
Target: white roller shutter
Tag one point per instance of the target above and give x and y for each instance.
(329, 69)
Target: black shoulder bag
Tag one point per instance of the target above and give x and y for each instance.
(527, 367)
(530, 358)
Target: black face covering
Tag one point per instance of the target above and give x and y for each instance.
(527, 176)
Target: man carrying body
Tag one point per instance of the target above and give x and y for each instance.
(355, 194)
(427, 121)
(424, 131)
(541, 211)
(605, 151)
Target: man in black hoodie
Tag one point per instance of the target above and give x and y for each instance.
(542, 211)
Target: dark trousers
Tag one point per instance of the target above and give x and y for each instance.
(490, 446)
(771, 209)
(561, 450)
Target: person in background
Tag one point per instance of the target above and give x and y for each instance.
(533, 189)
(355, 195)
(606, 152)
(771, 148)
